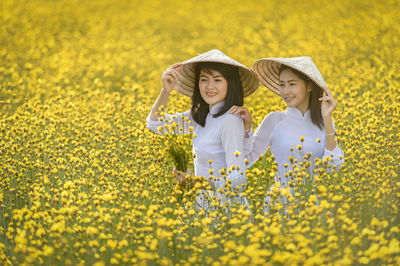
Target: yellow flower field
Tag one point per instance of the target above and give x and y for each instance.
(83, 181)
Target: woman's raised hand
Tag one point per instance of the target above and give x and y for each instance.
(169, 77)
(244, 112)
(328, 104)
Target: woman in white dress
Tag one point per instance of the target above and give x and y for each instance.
(215, 83)
(302, 134)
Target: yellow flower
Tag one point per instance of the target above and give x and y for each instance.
(82, 179)
(47, 251)
(299, 147)
(112, 243)
(154, 244)
(363, 260)
(114, 261)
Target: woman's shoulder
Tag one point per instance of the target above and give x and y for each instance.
(229, 119)
(228, 122)
(267, 126)
(273, 118)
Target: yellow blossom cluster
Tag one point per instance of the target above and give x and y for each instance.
(83, 181)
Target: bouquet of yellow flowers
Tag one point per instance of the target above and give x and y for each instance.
(179, 156)
(181, 159)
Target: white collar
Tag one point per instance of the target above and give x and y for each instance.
(216, 107)
(296, 113)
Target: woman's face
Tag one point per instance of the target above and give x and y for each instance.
(293, 90)
(213, 86)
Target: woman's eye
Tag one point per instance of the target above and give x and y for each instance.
(292, 84)
(218, 80)
(281, 85)
(203, 80)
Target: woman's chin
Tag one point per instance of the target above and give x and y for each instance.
(212, 102)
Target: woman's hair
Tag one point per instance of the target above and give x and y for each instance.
(234, 95)
(316, 93)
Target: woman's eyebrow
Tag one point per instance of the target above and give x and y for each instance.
(291, 80)
(206, 76)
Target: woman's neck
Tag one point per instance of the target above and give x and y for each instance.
(303, 108)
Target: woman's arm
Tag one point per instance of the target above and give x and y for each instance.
(332, 150)
(257, 144)
(246, 116)
(328, 105)
(336, 154)
(179, 123)
(232, 134)
(168, 79)
(247, 123)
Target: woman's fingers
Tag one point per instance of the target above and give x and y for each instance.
(175, 71)
(238, 110)
(243, 112)
(327, 91)
(324, 92)
(179, 178)
(169, 75)
(182, 176)
(233, 109)
(176, 66)
(325, 98)
(174, 74)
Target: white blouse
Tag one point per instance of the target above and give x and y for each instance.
(220, 140)
(281, 131)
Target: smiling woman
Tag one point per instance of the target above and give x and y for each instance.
(213, 86)
(302, 135)
(219, 83)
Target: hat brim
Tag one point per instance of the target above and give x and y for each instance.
(186, 83)
(267, 70)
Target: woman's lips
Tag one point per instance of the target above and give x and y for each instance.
(288, 99)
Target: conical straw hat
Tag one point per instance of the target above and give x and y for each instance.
(268, 70)
(185, 84)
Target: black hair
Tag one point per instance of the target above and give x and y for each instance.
(234, 94)
(316, 92)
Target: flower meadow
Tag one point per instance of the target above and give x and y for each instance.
(83, 181)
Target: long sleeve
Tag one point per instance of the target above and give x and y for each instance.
(232, 135)
(259, 142)
(178, 123)
(248, 142)
(336, 154)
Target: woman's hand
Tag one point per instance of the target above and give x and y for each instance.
(180, 177)
(244, 112)
(328, 104)
(169, 77)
